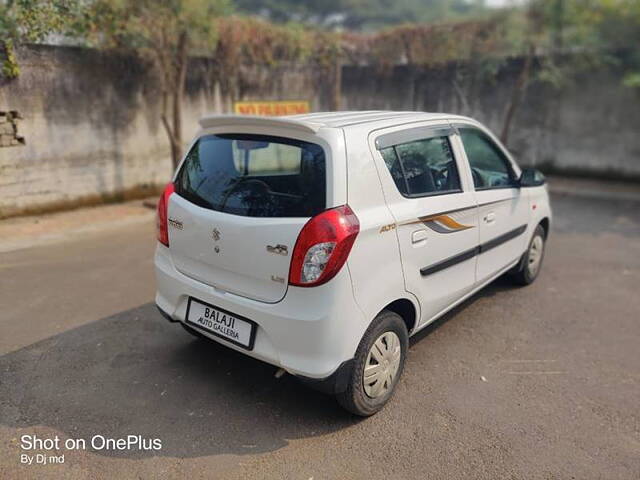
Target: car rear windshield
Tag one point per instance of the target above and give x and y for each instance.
(254, 176)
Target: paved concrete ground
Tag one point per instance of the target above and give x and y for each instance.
(537, 382)
(39, 230)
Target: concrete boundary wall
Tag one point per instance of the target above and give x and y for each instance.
(89, 122)
(590, 127)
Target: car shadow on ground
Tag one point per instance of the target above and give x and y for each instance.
(500, 284)
(136, 374)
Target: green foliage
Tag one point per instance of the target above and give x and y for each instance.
(632, 80)
(566, 36)
(10, 67)
(24, 21)
(432, 44)
(254, 41)
(32, 20)
(149, 26)
(164, 31)
(246, 41)
(575, 36)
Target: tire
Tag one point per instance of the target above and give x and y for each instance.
(194, 332)
(365, 400)
(529, 268)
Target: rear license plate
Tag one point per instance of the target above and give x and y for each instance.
(233, 328)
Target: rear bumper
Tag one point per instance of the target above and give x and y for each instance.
(335, 383)
(310, 333)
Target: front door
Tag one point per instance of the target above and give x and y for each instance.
(503, 207)
(435, 213)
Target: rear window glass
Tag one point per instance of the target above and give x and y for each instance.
(423, 167)
(254, 176)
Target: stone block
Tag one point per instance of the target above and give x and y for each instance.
(6, 129)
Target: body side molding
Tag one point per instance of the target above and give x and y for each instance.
(468, 254)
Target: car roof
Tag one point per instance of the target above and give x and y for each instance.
(350, 118)
(312, 122)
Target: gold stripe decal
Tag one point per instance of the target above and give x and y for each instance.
(443, 222)
(449, 222)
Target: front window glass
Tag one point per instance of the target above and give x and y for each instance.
(489, 166)
(254, 176)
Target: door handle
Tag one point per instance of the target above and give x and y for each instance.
(490, 217)
(419, 236)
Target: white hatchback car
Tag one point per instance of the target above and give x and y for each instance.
(320, 243)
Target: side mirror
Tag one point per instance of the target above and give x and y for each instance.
(532, 178)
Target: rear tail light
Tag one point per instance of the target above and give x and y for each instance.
(161, 219)
(323, 246)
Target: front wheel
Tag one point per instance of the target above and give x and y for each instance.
(532, 259)
(379, 362)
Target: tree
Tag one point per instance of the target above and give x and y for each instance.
(249, 42)
(534, 31)
(569, 37)
(166, 31)
(29, 21)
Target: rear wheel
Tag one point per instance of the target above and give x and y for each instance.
(379, 362)
(532, 259)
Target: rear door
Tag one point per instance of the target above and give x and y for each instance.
(435, 213)
(241, 201)
(503, 206)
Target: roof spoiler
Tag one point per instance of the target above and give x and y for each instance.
(211, 121)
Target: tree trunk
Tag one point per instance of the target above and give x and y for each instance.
(516, 95)
(178, 95)
(174, 74)
(337, 84)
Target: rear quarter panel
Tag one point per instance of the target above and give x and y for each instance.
(374, 262)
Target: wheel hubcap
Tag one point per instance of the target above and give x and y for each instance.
(535, 255)
(381, 367)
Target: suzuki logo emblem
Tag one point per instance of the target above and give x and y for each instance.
(215, 234)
